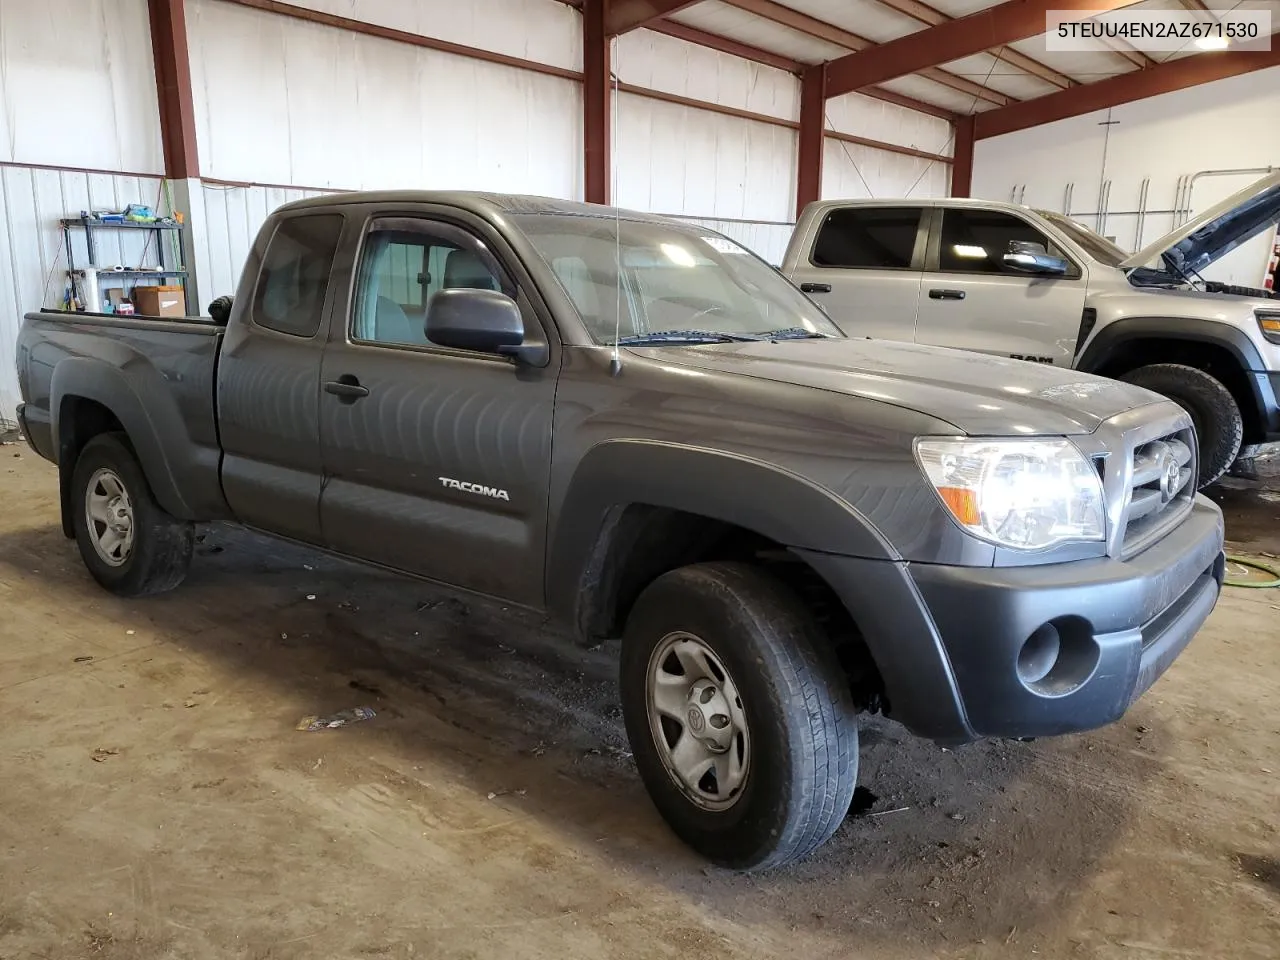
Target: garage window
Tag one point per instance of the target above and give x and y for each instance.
(868, 237)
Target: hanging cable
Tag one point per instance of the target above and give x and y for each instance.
(995, 58)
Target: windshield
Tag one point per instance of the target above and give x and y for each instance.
(665, 282)
(1098, 247)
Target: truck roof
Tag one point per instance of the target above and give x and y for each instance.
(822, 206)
(478, 202)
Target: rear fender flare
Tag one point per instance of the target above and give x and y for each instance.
(145, 423)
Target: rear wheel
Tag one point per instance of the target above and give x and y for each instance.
(739, 716)
(1219, 426)
(129, 543)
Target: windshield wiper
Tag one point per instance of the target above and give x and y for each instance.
(683, 336)
(797, 333)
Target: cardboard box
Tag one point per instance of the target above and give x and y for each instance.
(165, 301)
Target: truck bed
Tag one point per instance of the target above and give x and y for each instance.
(158, 373)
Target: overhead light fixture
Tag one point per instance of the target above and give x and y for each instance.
(969, 251)
(1212, 43)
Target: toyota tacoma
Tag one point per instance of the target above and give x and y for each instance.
(644, 429)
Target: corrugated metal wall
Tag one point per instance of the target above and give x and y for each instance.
(231, 217)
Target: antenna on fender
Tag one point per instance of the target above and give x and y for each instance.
(615, 362)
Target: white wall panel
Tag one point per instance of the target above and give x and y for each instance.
(682, 160)
(32, 259)
(852, 171)
(77, 87)
(889, 123)
(1226, 124)
(664, 63)
(229, 221)
(282, 101)
(545, 31)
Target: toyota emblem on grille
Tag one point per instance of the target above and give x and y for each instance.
(1172, 473)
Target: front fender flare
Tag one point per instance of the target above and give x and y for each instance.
(764, 498)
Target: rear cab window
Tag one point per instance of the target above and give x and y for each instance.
(295, 272)
(869, 238)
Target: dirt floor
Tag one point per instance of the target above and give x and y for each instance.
(156, 800)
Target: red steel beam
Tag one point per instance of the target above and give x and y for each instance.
(624, 15)
(813, 123)
(736, 48)
(1163, 78)
(597, 102)
(923, 13)
(962, 158)
(916, 52)
(838, 36)
(714, 41)
(173, 88)
(403, 36)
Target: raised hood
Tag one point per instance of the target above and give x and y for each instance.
(979, 395)
(1217, 231)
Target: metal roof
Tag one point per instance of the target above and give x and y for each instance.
(809, 32)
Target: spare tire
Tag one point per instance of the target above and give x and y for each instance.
(1219, 426)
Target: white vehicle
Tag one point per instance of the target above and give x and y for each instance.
(1007, 280)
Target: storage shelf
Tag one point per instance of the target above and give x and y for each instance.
(113, 225)
(133, 274)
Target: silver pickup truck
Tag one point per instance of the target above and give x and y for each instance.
(642, 429)
(1003, 279)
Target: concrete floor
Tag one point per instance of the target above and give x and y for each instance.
(158, 802)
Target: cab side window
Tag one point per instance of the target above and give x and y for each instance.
(404, 264)
(974, 241)
(295, 274)
(868, 237)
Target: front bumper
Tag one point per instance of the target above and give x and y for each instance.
(955, 645)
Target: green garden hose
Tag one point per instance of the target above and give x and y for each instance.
(1250, 564)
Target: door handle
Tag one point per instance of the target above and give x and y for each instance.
(346, 388)
(946, 294)
(815, 288)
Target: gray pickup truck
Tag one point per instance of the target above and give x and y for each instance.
(642, 428)
(1003, 279)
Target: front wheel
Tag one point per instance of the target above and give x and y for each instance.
(1219, 426)
(128, 542)
(739, 716)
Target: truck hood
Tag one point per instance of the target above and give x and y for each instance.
(1217, 231)
(979, 395)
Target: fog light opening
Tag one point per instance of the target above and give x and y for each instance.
(1059, 657)
(1039, 654)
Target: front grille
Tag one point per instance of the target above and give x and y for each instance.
(1161, 490)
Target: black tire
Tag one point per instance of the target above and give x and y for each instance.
(1219, 426)
(162, 545)
(803, 762)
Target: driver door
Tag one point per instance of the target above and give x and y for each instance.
(970, 300)
(435, 458)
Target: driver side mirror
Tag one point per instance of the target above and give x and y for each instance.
(1026, 256)
(482, 320)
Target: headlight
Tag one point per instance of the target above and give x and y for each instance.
(1025, 494)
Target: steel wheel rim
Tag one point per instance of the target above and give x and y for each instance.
(698, 722)
(109, 517)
